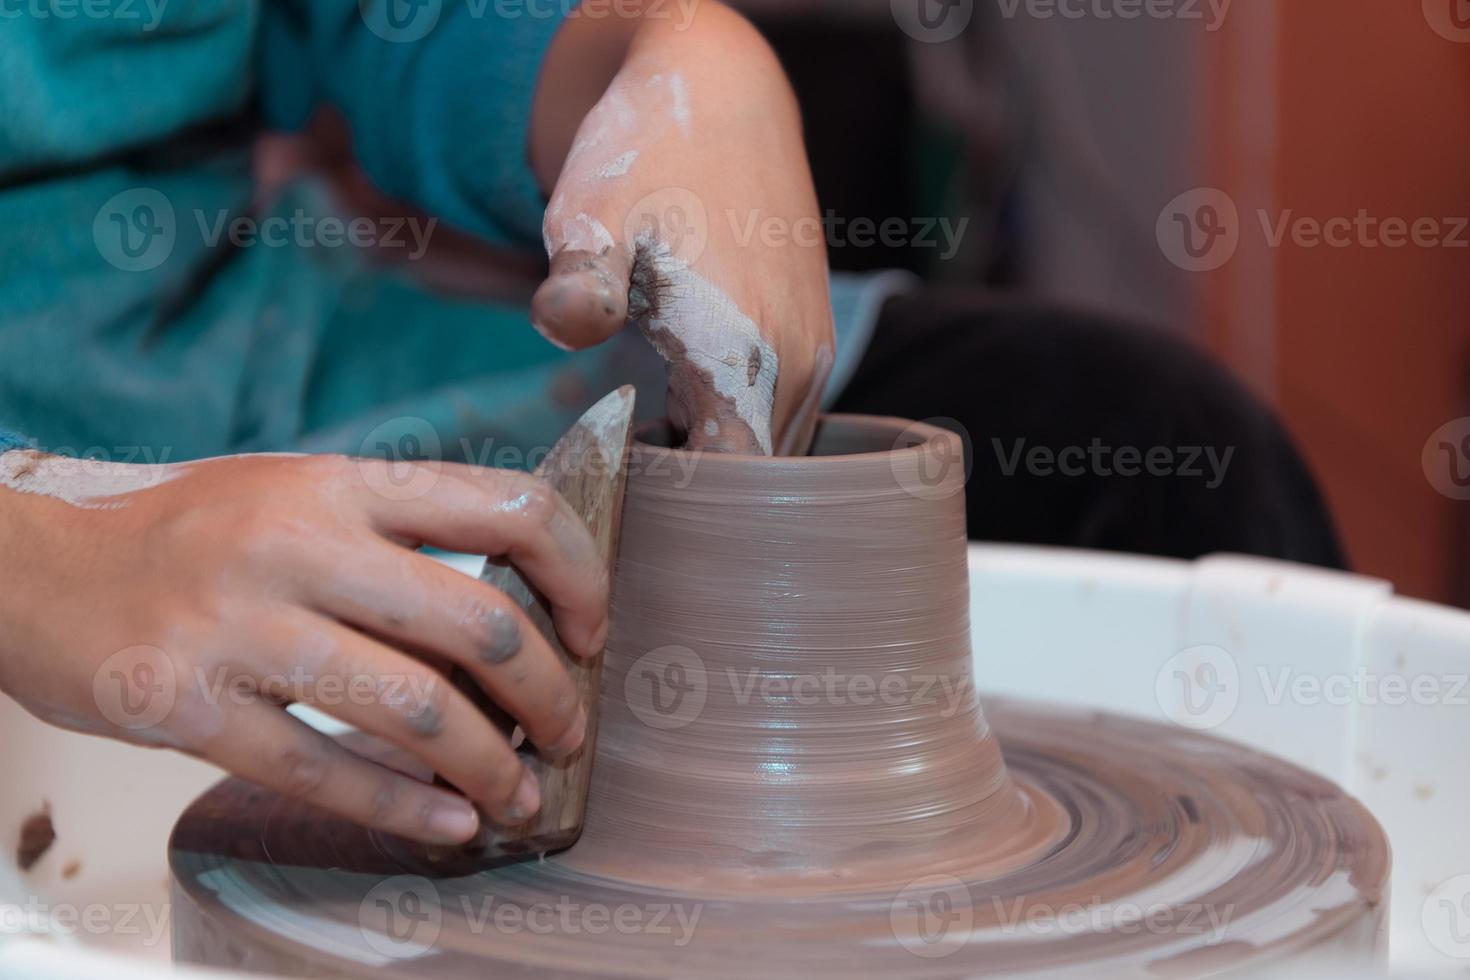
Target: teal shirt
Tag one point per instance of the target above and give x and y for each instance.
(130, 325)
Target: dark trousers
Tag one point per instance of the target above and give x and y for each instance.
(1088, 433)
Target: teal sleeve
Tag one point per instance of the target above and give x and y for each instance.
(75, 86)
(436, 93)
(9, 440)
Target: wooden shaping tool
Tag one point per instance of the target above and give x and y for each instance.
(588, 467)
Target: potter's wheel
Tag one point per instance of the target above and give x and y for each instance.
(1178, 854)
(794, 776)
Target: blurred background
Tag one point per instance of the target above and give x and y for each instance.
(1284, 183)
(1281, 183)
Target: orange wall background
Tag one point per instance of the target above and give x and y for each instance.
(1327, 108)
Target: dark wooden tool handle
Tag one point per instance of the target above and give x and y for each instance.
(588, 467)
(564, 783)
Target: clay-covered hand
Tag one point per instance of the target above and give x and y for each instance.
(186, 605)
(685, 204)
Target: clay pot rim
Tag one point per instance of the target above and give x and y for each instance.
(853, 427)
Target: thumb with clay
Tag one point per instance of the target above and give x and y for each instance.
(684, 204)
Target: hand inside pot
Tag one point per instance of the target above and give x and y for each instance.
(683, 202)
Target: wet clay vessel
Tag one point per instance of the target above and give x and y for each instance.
(794, 776)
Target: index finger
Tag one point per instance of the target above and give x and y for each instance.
(516, 517)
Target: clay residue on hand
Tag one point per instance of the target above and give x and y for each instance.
(702, 417)
(37, 834)
(721, 369)
(91, 484)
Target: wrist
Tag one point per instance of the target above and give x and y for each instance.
(24, 545)
(723, 59)
(583, 59)
(727, 64)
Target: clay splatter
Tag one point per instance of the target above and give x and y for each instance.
(700, 330)
(617, 167)
(37, 834)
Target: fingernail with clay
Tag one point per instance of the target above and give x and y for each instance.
(455, 823)
(598, 643)
(527, 800)
(583, 301)
(571, 741)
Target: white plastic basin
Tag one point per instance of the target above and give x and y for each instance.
(1330, 671)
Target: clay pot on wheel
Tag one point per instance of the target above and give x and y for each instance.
(788, 699)
(794, 777)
